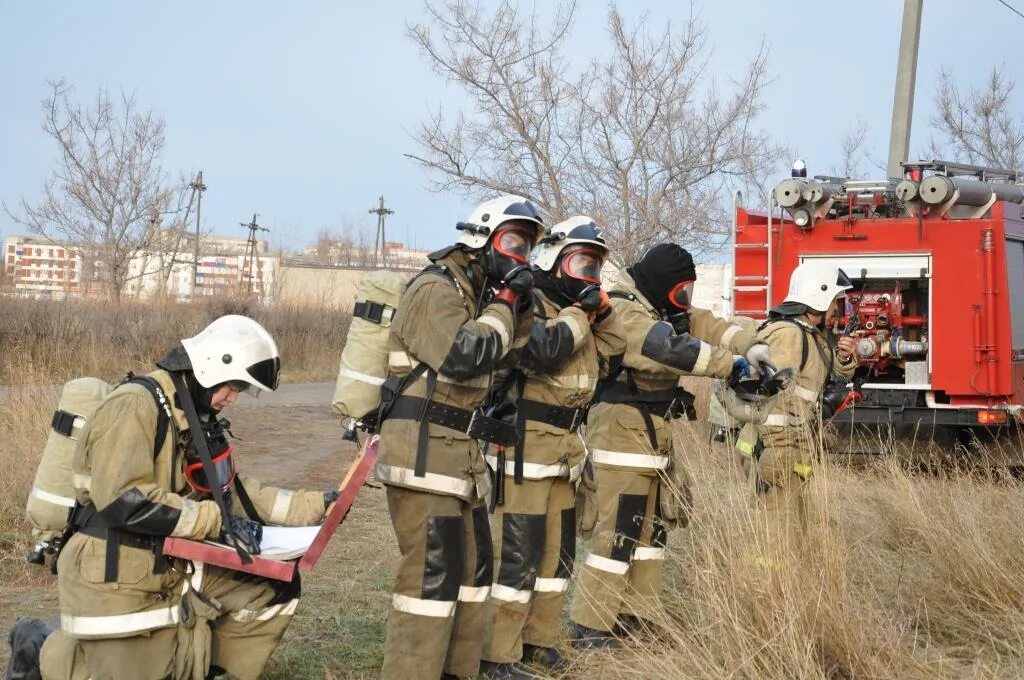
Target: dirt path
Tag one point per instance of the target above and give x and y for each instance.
(289, 438)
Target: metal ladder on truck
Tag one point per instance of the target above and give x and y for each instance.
(752, 292)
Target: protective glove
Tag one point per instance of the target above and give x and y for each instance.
(519, 280)
(740, 366)
(590, 300)
(758, 354)
(245, 533)
(330, 497)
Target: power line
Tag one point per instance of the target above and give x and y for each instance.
(1010, 7)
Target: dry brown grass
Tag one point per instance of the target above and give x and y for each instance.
(54, 341)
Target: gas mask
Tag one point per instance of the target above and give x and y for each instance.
(580, 280)
(677, 312)
(216, 433)
(505, 260)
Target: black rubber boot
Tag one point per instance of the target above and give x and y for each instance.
(505, 671)
(549, 657)
(590, 638)
(26, 638)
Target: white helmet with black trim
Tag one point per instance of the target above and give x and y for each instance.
(489, 215)
(816, 285)
(579, 230)
(234, 349)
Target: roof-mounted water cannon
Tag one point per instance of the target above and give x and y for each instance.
(806, 200)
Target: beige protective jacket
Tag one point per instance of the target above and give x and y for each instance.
(437, 324)
(655, 359)
(562, 361)
(796, 408)
(114, 469)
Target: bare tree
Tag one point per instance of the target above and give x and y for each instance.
(643, 138)
(108, 197)
(981, 127)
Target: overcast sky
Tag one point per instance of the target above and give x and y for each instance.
(301, 111)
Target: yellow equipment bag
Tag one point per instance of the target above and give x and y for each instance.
(364, 361)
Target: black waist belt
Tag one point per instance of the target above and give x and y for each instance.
(550, 414)
(87, 521)
(418, 408)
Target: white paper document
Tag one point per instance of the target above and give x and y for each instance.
(286, 543)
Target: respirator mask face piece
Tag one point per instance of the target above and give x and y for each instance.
(224, 468)
(680, 297)
(581, 274)
(506, 259)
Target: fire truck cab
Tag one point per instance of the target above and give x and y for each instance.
(937, 307)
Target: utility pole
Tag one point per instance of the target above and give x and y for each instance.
(250, 250)
(906, 76)
(380, 238)
(197, 188)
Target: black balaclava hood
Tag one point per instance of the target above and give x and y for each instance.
(659, 270)
(176, 361)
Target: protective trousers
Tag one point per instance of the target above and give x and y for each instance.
(436, 622)
(783, 470)
(253, 615)
(621, 573)
(535, 546)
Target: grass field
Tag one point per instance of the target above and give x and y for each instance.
(902, 573)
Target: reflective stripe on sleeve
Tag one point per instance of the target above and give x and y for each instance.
(729, 334)
(634, 460)
(551, 585)
(51, 498)
(474, 593)
(645, 553)
(361, 377)
(507, 594)
(439, 609)
(250, 615)
(574, 329)
(400, 359)
(606, 564)
(499, 326)
(282, 502)
(703, 359)
(453, 486)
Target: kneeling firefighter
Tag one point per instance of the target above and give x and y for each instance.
(154, 461)
(779, 451)
(456, 320)
(630, 437)
(574, 339)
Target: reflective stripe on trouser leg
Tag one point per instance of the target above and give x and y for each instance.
(544, 624)
(519, 532)
(463, 658)
(257, 614)
(431, 538)
(641, 596)
(622, 501)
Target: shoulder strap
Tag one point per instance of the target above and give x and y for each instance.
(804, 349)
(621, 294)
(163, 408)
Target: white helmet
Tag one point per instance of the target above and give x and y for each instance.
(816, 285)
(575, 230)
(234, 349)
(487, 216)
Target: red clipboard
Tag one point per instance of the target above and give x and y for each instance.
(280, 570)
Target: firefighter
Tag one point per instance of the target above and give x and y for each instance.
(126, 610)
(795, 333)
(630, 438)
(454, 323)
(575, 337)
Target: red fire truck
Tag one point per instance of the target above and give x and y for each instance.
(937, 261)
